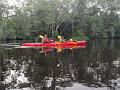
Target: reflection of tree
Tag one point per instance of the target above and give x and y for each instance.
(2, 69)
(92, 66)
(98, 69)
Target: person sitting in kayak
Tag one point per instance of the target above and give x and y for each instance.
(45, 39)
(61, 39)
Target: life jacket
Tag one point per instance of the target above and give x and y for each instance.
(46, 40)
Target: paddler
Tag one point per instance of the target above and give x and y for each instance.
(61, 39)
(45, 39)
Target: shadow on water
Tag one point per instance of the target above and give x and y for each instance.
(95, 67)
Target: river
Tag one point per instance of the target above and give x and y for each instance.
(95, 66)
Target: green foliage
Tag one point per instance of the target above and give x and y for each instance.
(35, 15)
(78, 35)
(7, 34)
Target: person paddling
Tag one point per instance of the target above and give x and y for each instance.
(45, 39)
(61, 39)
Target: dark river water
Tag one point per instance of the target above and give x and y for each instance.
(95, 66)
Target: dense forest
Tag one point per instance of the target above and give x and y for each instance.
(24, 19)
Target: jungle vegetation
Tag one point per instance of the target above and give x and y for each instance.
(23, 19)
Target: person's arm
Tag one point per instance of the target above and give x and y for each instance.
(42, 40)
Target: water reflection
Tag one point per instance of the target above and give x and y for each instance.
(95, 67)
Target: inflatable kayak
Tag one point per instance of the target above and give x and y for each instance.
(67, 43)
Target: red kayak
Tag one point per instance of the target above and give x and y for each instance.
(67, 43)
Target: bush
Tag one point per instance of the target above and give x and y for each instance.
(7, 34)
